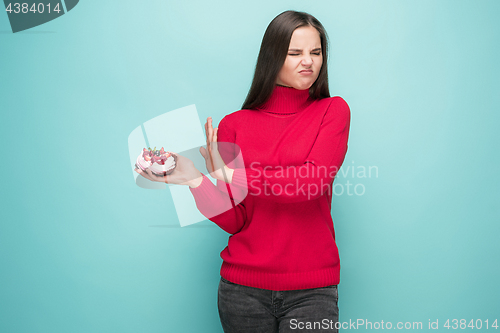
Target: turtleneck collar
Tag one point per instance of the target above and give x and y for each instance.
(286, 100)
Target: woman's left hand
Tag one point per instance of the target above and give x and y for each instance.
(185, 173)
(214, 162)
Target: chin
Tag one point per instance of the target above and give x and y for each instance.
(302, 86)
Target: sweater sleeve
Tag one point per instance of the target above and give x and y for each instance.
(218, 207)
(233, 158)
(312, 179)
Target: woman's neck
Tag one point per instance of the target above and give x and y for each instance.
(286, 100)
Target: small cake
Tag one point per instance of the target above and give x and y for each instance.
(160, 162)
(143, 161)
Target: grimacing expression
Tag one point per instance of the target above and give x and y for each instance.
(303, 61)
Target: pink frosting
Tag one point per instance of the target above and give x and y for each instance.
(142, 163)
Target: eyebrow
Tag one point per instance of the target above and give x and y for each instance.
(299, 50)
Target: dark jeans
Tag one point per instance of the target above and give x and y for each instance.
(255, 310)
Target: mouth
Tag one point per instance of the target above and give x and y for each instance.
(306, 72)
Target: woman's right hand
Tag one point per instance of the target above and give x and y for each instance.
(185, 173)
(213, 160)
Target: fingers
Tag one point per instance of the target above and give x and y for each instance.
(206, 130)
(210, 130)
(213, 143)
(211, 134)
(149, 175)
(152, 177)
(142, 173)
(207, 136)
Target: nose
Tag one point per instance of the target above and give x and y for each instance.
(307, 61)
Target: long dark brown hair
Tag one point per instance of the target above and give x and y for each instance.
(273, 52)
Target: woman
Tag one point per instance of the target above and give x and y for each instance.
(275, 161)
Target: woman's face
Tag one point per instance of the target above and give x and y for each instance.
(303, 61)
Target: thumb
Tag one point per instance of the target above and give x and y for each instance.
(203, 152)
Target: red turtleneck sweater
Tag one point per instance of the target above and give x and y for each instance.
(277, 207)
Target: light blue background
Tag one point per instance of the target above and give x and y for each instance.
(78, 253)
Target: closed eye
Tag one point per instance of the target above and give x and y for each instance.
(296, 54)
